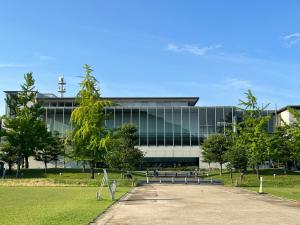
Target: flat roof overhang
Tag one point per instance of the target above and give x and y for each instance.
(190, 100)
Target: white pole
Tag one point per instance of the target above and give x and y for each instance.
(185, 180)
(261, 185)
(147, 180)
(160, 180)
(198, 180)
(211, 180)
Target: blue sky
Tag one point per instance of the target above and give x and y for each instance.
(212, 49)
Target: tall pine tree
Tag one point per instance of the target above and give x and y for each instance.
(24, 123)
(88, 120)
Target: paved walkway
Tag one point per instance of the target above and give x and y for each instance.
(199, 204)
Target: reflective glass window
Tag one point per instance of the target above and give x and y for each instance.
(220, 119)
(211, 120)
(126, 115)
(143, 127)
(177, 126)
(135, 118)
(228, 117)
(169, 126)
(118, 117)
(151, 126)
(194, 125)
(185, 127)
(160, 126)
(110, 118)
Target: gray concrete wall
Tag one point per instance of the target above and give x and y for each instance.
(149, 151)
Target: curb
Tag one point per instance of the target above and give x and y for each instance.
(124, 196)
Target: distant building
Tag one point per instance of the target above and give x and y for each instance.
(170, 129)
(285, 117)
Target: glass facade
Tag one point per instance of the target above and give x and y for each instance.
(157, 126)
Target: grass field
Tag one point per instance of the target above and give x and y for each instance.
(52, 205)
(281, 185)
(62, 196)
(63, 177)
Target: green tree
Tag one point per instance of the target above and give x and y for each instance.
(50, 148)
(23, 124)
(8, 154)
(282, 148)
(66, 142)
(236, 155)
(252, 131)
(294, 132)
(208, 157)
(122, 152)
(88, 120)
(214, 148)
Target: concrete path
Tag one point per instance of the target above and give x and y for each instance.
(199, 204)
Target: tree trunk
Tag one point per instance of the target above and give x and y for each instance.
(253, 169)
(241, 178)
(231, 177)
(22, 163)
(257, 170)
(45, 163)
(83, 166)
(18, 167)
(92, 165)
(285, 167)
(26, 162)
(221, 169)
(10, 164)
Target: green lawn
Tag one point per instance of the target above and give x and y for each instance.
(52, 205)
(283, 185)
(62, 196)
(64, 177)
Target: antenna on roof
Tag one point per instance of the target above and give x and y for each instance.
(61, 86)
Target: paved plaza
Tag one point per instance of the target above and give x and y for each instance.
(199, 204)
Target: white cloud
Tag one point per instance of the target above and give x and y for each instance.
(291, 39)
(46, 57)
(238, 84)
(193, 49)
(11, 65)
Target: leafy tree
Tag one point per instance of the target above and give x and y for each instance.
(88, 120)
(22, 126)
(50, 148)
(122, 153)
(208, 157)
(281, 143)
(66, 142)
(8, 154)
(236, 155)
(294, 133)
(252, 131)
(214, 148)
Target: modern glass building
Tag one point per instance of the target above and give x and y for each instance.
(170, 129)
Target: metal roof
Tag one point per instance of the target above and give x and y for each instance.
(288, 106)
(190, 100)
